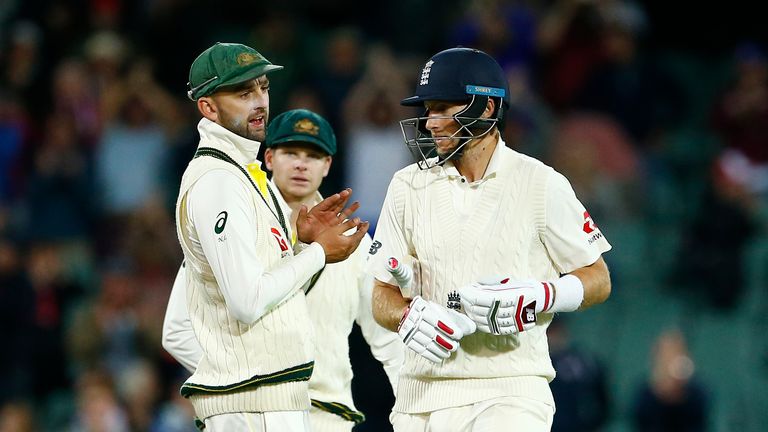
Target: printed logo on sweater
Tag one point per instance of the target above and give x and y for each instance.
(280, 242)
(590, 228)
(589, 224)
(221, 222)
(375, 246)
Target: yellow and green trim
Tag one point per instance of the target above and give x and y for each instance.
(296, 373)
(340, 410)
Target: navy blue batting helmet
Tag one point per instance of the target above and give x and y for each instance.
(461, 75)
(456, 74)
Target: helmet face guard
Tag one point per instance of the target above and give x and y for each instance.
(461, 76)
(423, 146)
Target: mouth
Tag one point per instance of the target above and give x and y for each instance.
(257, 122)
(300, 180)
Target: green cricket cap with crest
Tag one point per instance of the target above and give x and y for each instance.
(225, 64)
(301, 126)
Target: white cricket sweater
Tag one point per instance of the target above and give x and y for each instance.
(523, 221)
(245, 367)
(341, 297)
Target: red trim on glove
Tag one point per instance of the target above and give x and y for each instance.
(519, 314)
(444, 327)
(443, 343)
(402, 319)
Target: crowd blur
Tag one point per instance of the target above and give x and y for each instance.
(95, 131)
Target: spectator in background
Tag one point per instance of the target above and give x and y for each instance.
(14, 131)
(530, 122)
(580, 388)
(22, 64)
(140, 120)
(636, 92)
(54, 295)
(59, 198)
(568, 42)
(17, 319)
(671, 400)
(371, 112)
(98, 407)
(505, 30)
(717, 238)
(741, 119)
(17, 416)
(598, 158)
(105, 332)
(75, 96)
(175, 414)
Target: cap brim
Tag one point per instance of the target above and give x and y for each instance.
(419, 100)
(255, 72)
(296, 139)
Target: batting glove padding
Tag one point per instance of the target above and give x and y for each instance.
(432, 330)
(507, 306)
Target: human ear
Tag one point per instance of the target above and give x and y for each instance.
(490, 108)
(268, 154)
(208, 109)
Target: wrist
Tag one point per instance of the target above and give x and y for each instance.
(402, 317)
(567, 294)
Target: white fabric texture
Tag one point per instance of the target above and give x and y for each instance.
(521, 219)
(243, 333)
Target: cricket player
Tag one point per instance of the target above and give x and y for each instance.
(299, 149)
(499, 242)
(244, 286)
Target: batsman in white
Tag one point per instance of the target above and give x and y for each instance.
(243, 284)
(300, 145)
(499, 243)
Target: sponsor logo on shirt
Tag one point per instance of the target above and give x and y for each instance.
(375, 246)
(280, 242)
(591, 228)
(221, 222)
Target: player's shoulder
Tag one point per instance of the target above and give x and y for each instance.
(222, 180)
(516, 163)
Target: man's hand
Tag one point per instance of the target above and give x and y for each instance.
(336, 244)
(432, 330)
(507, 306)
(330, 212)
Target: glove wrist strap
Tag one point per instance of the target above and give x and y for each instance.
(567, 295)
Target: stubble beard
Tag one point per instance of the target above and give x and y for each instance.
(242, 127)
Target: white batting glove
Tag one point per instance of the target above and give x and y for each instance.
(432, 330)
(506, 306)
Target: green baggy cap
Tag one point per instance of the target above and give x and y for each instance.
(301, 126)
(225, 64)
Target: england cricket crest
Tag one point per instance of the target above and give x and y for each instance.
(454, 301)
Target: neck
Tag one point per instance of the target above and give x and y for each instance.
(477, 154)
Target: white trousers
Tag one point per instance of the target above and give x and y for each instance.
(274, 421)
(509, 414)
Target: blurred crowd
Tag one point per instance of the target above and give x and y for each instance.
(95, 131)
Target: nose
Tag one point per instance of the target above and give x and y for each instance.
(300, 163)
(432, 123)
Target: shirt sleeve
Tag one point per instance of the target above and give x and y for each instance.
(385, 345)
(390, 239)
(178, 336)
(220, 209)
(571, 237)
